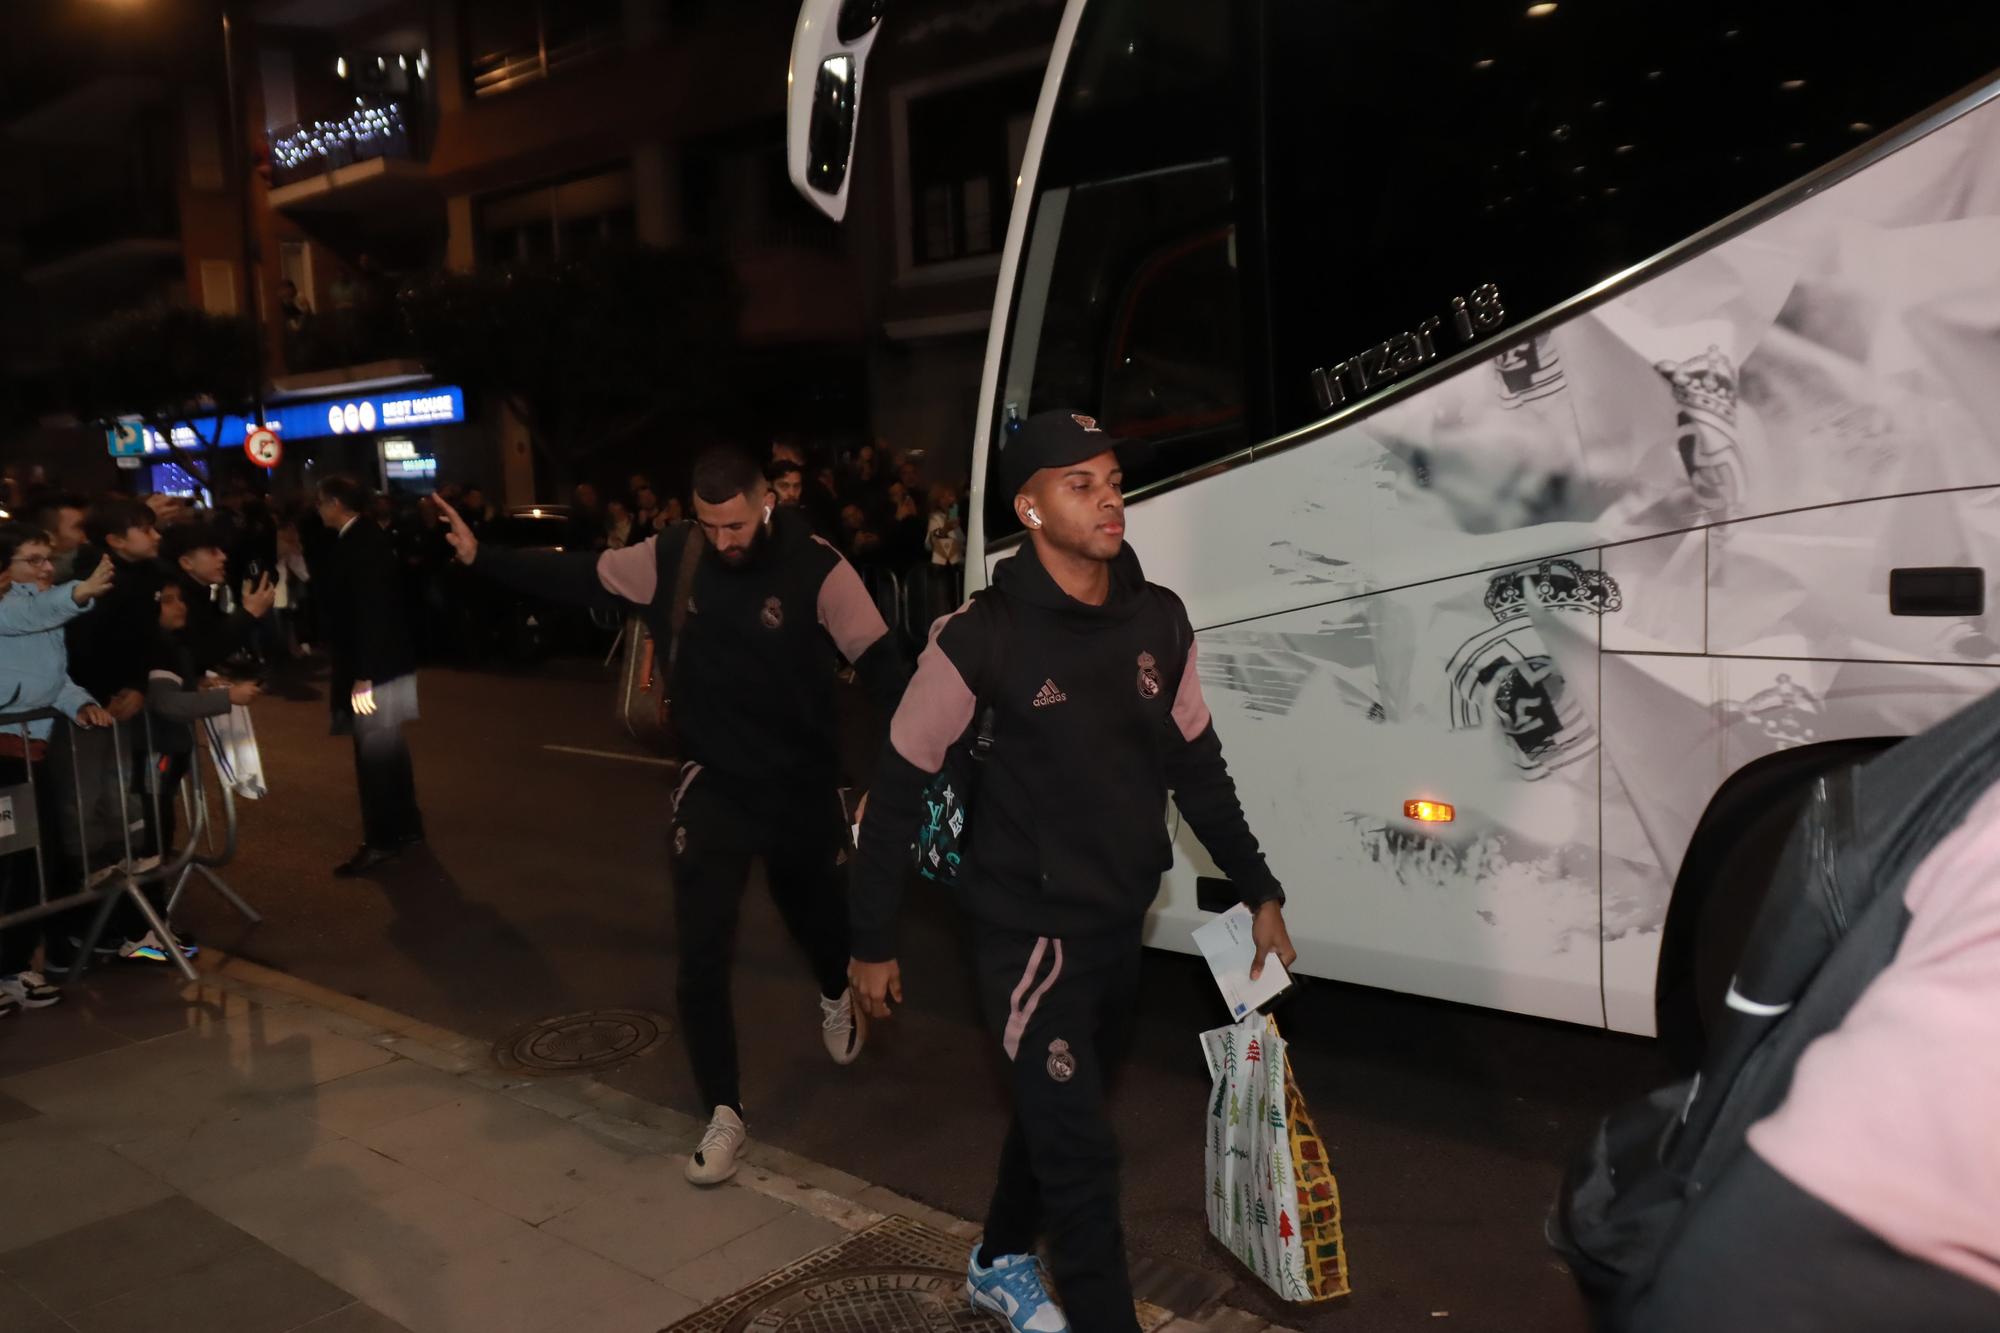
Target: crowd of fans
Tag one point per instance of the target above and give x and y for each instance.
(122, 616)
(136, 617)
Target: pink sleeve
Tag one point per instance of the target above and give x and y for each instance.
(847, 611)
(1190, 709)
(631, 572)
(936, 709)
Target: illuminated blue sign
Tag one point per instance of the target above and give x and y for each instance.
(433, 405)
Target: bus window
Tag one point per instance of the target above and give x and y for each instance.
(1129, 303)
(1419, 154)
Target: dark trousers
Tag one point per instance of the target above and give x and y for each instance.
(19, 885)
(389, 814)
(1063, 1010)
(718, 831)
(1760, 1255)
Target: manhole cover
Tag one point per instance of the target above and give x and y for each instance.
(898, 1276)
(574, 1042)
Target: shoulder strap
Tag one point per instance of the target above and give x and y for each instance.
(677, 613)
(982, 740)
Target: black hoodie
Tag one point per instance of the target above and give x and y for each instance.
(1098, 713)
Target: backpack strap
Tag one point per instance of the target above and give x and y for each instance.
(677, 612)
(983, 698)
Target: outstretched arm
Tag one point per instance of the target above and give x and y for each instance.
(579, 578)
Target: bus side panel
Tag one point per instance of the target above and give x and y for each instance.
(1331, 718)
(1817, 582)
(1676, 728)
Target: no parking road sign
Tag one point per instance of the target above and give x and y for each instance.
(262, 447)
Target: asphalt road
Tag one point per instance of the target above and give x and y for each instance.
(543, 891)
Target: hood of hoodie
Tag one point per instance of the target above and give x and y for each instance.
(1024, 576)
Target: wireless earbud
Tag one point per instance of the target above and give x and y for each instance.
(767, 513)
(1033, 517)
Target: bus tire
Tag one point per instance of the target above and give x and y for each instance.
(1723, 881)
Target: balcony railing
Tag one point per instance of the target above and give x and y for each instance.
(372, 129)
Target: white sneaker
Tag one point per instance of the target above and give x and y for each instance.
(9, 1006)
(30, 990)
(842, 1027)
(715, 1160)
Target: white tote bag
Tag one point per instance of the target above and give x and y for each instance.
(1272, 1199)
(233, 741)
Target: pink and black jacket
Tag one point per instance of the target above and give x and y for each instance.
(1098, 714)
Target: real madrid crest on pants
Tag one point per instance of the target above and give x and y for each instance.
(1062, 1065)
(1149, 677)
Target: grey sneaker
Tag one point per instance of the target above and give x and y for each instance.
(715, 1160)
(842, 1027)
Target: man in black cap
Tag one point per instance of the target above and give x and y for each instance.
(1087, 673)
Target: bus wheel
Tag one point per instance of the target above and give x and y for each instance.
(1723, 882)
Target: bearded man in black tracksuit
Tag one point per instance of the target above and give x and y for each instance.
(1098, 713)
(752, 691)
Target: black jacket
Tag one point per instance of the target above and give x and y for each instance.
(362, 611)
(753, 684)
(110, 648)
(1098, 713)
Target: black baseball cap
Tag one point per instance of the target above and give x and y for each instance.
(1048, 439)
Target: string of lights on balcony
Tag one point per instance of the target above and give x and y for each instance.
(354, 133)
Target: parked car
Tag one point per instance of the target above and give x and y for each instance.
(528, 629)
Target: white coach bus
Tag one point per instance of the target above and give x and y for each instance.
(1583, 415)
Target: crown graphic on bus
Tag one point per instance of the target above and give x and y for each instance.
(1560, 585)
(1705, 383)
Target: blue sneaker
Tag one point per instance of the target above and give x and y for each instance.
(1013, 1289)
(150, 948)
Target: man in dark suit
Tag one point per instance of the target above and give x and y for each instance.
(374, 683)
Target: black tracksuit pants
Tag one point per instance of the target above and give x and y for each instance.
(719, 829)
(1064, 1011)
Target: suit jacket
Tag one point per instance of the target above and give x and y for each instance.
(365, 630)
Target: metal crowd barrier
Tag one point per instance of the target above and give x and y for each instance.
(211, 842)
(207, 844)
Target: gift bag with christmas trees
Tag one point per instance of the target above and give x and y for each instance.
(1272, 1201)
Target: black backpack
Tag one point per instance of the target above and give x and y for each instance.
(1831, 923)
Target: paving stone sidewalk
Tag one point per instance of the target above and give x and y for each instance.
(253, 1154)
